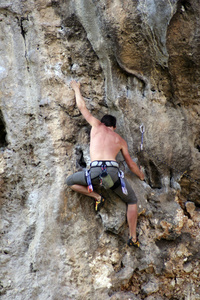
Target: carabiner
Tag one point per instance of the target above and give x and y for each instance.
(142, 128)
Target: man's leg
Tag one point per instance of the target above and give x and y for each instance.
(77, 182)
(83, 190)
(132, 220)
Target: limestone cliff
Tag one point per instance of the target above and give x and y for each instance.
(140, 61)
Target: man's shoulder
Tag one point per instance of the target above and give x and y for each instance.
(120, 137)
(97, 126)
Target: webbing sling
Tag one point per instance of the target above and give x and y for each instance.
(123, 184)
(89, 181)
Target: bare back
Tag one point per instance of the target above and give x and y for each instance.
(104, 143)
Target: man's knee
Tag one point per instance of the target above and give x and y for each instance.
(132, 206)
(69, 180)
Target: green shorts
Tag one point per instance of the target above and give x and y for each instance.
(80, 178)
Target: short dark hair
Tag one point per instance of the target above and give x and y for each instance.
(109, 121)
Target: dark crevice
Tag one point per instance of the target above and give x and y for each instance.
(185, 5)
(80, 158)
(32, 268)
(122, 265)
(183, 207)
(155, 181)
(171, 177)
(23, 33)
(3, 141)
(82, 161)
(20, 23)
(29, 236)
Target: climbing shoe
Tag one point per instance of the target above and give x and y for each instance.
(131, 243)
(99, 204)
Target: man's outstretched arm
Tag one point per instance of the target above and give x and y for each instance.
(81, 105)
(131, 164)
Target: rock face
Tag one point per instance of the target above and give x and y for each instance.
(140, 61)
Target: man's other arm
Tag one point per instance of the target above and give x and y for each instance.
(81, 105)
(131, 164)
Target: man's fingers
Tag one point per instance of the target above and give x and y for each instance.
(142, 170)
(72, 82)
(75, 84)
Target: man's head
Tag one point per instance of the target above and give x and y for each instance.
(109, 121)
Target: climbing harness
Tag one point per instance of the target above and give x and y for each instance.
(142, 130)
(89, 181)
(105, 178)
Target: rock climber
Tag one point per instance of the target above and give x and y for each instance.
(105, 144)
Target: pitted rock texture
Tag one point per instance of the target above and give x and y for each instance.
(138, 60)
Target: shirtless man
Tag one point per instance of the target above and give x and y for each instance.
(105, 144)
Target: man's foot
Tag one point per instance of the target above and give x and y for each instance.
(131, 243)
(99, 203)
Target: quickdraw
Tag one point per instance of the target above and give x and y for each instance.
(142, 130)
